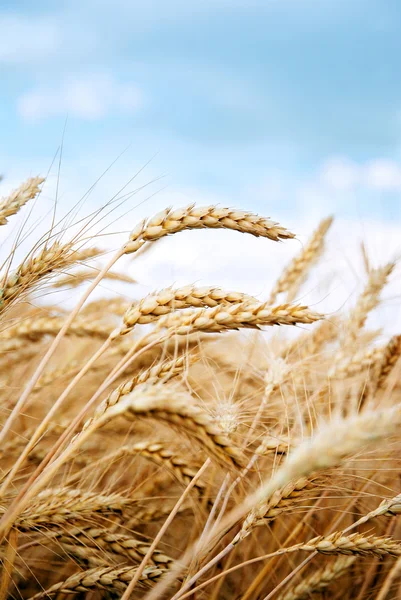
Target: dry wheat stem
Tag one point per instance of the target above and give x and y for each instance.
(44, 424)
(275, 375)
(8, 563)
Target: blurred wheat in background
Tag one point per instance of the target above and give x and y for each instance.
(182, 444)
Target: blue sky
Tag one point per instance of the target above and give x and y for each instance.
(234, 96)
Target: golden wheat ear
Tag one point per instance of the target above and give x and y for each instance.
(18, 198)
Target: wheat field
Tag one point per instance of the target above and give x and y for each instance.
(168, 447)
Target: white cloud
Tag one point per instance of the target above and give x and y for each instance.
(383, 174)
(26, 40)
(340, 173)
(91, 96)
(343, 174)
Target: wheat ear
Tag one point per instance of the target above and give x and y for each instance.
(296, 272)
(236, 316)
(176, 409)
(36, 328)
(356, 363)
(115, 543)
(391, 354)
(157, 304)
(57, 507)
(18, 198)
(171, 221)
(33, 270)
(279, 502)
(350, 544)
(105, 578)
(367, 301)
(162, 372)
(319, 580)
(152, 450)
